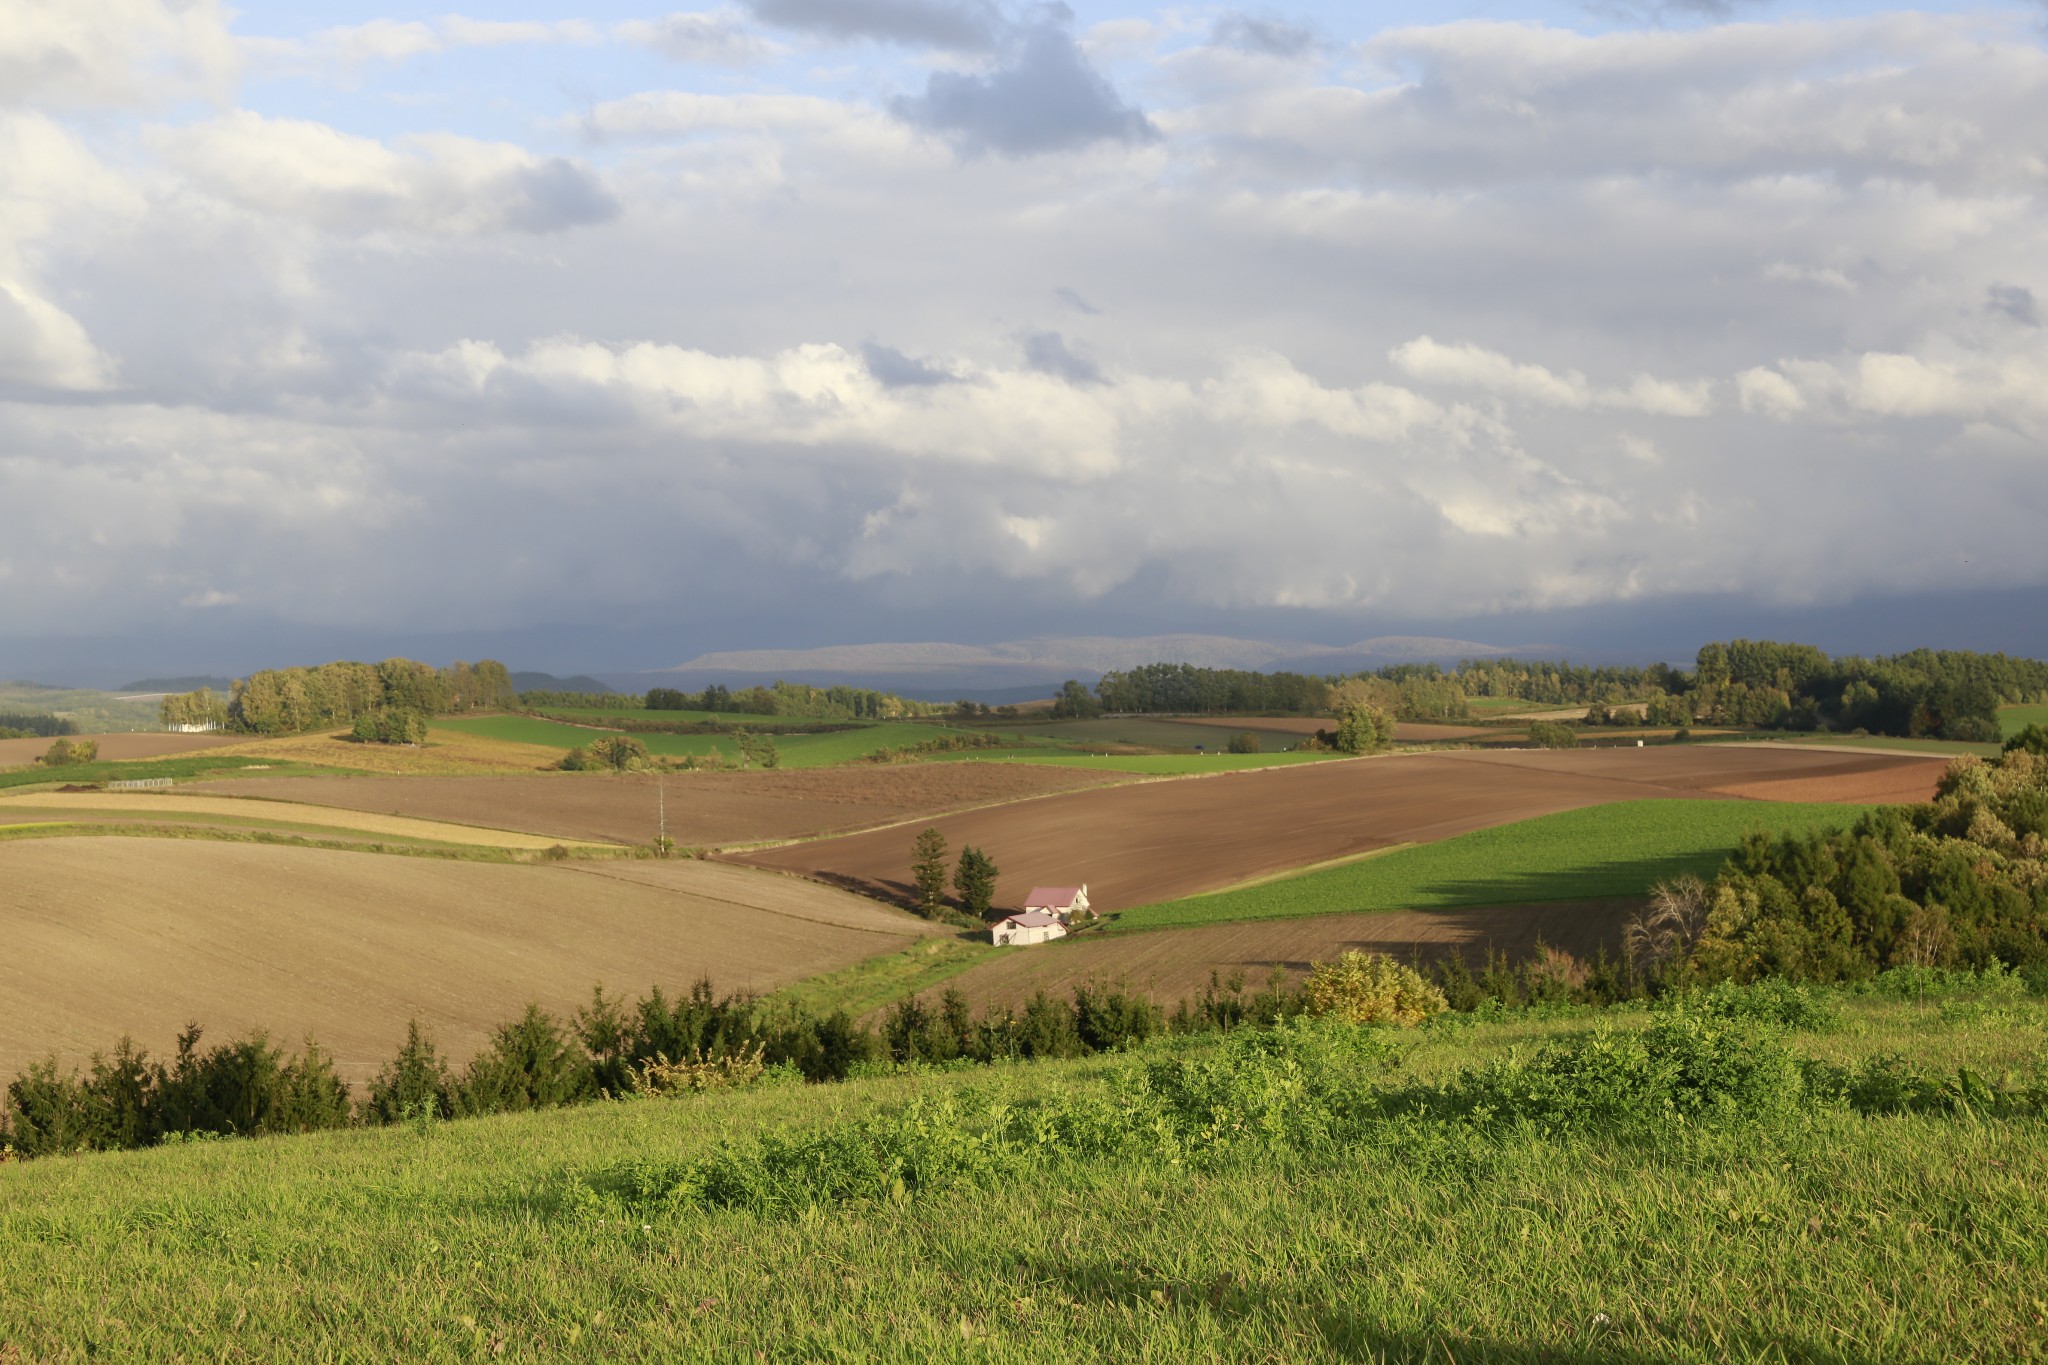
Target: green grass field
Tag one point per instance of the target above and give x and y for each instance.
(1932, 747)
(794, 751)
(592, 715)
(1599, 852)
(185, 768)
(1822, 1235)
(2013, 719)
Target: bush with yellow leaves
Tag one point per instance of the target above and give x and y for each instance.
(1372, 988)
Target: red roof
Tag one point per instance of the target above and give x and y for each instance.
(1052, 897)
(1030, 919)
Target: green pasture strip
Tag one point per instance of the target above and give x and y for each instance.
(1151, 765)
(316, 837)
(867, 986)
(185, 768)
(1826, 1237)
(2013, 719)
(793, 751)
(170, 816)
(523, 730)
(1598, 853)
(1934, 747)
(93, 712)
(598, 715)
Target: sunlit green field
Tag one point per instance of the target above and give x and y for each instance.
(1821, 1235)
(184, 768)
(1599, 852)
(794, 751)
(2013, 719)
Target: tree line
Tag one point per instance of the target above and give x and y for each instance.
(1756, 684)
(286, 701)
(34, 725)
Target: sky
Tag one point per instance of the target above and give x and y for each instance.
(610, 335)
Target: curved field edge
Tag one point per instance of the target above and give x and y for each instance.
(1596, 853)
(1838, 1238)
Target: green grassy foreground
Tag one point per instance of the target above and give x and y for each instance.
(1592, 854)
(1821, 1233)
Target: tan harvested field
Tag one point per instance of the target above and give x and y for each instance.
(1173, 965)
(704, 808)
(1910, 782)
(182, 807)
(1160, 840)
(111, 936)
(15, 752)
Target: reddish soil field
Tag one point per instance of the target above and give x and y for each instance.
(1173, 965)
(1912, 781)
(109, 936)
(704, 808)
(1155, 841)
(14, 752)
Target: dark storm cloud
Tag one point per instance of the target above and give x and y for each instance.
(958, 25)
(1044, 97)
(2016, 301)
(1048, 353)
(895, 370)
(1270, 37)
(559, 194)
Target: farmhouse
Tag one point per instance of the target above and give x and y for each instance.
(1029, 926)
(1063, 903)
(204, 729)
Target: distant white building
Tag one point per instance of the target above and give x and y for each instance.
(1025, 927)
(1064, 903)
(208, 728)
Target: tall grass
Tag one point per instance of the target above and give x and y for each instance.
(1411, 1226)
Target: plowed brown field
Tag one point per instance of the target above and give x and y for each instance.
(1156, 841)
(110, 936)
(704, 808)
(1173, 965)
(14, 752)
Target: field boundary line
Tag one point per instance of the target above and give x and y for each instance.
(768, 910)
(173, 795)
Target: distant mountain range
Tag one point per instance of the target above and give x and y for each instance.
(1017, 669)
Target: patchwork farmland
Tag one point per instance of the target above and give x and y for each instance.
(1150, 842)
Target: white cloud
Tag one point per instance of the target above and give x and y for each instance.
(431, 183)
(1476, 367)
(1526, 319)
(120, 53)
(401, 40)
(1767, 392)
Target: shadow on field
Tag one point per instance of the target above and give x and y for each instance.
(900, 894)
(1590, 880)
(1348, 1335)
